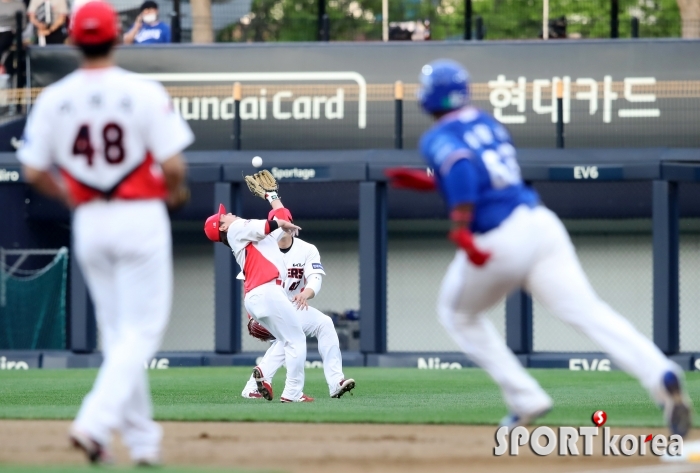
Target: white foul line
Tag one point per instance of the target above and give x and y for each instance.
(270, 77)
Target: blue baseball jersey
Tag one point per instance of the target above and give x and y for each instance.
(153, 34)
(475, 162)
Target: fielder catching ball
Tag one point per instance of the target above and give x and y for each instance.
(254, 245)
(304, 278)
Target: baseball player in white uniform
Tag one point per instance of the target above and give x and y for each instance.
(254, 245)
(116, 141)
(304, 278)
(507, 239)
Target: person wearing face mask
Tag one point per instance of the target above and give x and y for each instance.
(148, 29)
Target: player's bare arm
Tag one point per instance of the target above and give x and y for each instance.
(58, 22)
(301, 299)
(47, 184)
(40, 27)
(174, 170)
(130, 36)
(288, 227)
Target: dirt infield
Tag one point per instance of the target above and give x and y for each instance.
(320, 448)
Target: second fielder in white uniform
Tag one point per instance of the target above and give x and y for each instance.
(304, 277)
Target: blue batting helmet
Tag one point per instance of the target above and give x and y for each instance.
(444, 86)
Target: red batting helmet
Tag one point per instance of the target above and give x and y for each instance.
(211, 226)
(95, 22)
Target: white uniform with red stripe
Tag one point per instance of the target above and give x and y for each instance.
(106, 130)
(256, 251)
(302, 259)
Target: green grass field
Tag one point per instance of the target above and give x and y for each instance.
(382, 396)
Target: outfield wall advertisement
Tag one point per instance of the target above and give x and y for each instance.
(622, 93)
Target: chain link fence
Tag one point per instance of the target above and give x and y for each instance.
(191, 326)
(689, 266)
(616, 256)
(618, 263)
(417, 263)
(689, 270)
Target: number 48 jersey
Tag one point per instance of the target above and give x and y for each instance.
(474, 162)
(106, 130)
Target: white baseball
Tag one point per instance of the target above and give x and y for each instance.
(257, 161)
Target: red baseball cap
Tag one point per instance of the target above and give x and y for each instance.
(211, 226)
(95, 22)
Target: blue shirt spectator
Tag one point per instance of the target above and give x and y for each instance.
(147, 29)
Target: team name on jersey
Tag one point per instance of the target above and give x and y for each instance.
(295, 273)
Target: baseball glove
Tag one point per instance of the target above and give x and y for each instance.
(254, 186)
(258, 331)
(267, 181)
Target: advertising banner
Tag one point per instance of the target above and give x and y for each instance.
(617, 93)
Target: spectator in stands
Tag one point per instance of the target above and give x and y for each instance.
(8, 23)
(557, 28)
(49, 20)
(147, 29)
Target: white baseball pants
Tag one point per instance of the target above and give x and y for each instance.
(269, 305)
(125, 252)
(314, 323)
(532, 249)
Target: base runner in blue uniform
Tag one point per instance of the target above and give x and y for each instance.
(507, 240)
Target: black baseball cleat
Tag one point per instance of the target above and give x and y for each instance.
(677, 410)
(264, 388)
(96, 453)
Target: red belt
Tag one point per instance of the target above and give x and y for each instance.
(279, 282)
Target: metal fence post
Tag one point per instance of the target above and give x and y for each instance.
(665, 216)
(175, 23)
(227, 290)
(635, 27)
(467, 20)
(480, 33)
(326, 29)
(20, 69)
(373, 267)
(237, 95)
(519, 322)
(614, 18)
(398, 115)
(560, 114)
(83, 326)
(320, 26)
